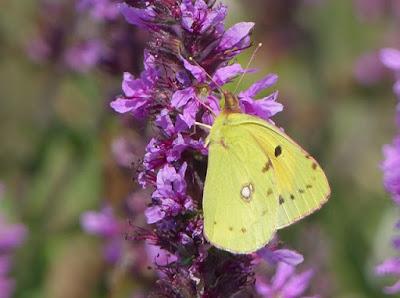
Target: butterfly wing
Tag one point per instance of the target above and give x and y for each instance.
(240, 202)
(301, 183)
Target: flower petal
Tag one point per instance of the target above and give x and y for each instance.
(298, 284)
(235, 34)
(137, 16)
(154, 214)
(263, 108)
(260, 85)
(224, 74)
(196, 71)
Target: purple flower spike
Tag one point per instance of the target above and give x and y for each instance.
(391, 59)
(391, 172)
(188, 59)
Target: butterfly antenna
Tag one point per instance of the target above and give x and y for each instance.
(248, 65)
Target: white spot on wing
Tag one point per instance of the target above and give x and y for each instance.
(247, 192)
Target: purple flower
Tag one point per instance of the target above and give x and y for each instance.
(158, 256)
(274, 257)
(170, 193)
(198, 17)
(236, 37)
(265, 107)
(285, 283)
(137, 92)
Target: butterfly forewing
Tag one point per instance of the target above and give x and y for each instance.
(240, 200)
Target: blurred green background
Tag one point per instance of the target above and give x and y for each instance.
(56, 130)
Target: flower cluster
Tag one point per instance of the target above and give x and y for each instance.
(11, 237)
(186, 63)
(391, 171)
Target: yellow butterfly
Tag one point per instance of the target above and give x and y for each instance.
(258, 181)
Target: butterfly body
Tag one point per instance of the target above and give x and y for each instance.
(258, 181)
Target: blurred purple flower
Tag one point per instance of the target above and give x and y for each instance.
(368, 10)
(11, 237)
(123, 152)
(99, 9)
(368, 69)
(391, 59)
(276, 256)
(391, 169)
(84, 56)
(286, 282)
(106, 225)
(390, 267)
(101, 223)
(391, 172)
(6, 287)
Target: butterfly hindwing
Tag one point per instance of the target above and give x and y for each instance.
(240, 203)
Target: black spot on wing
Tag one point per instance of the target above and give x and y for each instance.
(281, 200)
(278, 150)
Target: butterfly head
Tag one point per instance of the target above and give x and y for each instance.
(231, 102)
